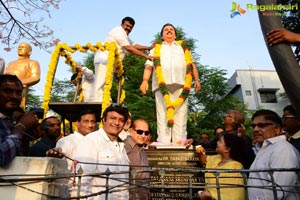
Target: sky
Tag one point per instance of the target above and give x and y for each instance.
(223, 42)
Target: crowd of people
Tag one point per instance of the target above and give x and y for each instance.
(86, 144)
(272, 135)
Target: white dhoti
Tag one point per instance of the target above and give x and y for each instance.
(178, 132)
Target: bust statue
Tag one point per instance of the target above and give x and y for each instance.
(26, 69)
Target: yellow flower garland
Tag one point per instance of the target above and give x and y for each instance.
(62, 49)
(172, 105)
(79, 77)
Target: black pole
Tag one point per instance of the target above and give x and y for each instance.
(282, 56)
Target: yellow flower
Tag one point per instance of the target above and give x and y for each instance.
(50, 77)
(112, 55)
(91, 47)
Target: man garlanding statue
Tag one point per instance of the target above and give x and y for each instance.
(26, 69)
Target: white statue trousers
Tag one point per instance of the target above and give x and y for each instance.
(178, 132)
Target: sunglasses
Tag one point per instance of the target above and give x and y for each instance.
(114, 105)
(119, 106)
(261, 125)
(140, 132)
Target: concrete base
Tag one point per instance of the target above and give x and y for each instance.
(13, 185)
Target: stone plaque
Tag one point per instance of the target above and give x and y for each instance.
(171, 176)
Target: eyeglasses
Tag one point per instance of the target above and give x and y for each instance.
(140, 132)
(261, 125)
(288, 116)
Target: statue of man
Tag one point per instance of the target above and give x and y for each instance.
(26, 69)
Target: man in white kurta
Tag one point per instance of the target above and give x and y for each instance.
(173, 64)
(105, 151)
(88, 79)
(67, 146)
(86, 123)
(119, 35)
(87, 82)
(275, 153)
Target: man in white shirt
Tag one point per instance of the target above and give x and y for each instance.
(66, 146)
(102, 152)
(85, 123)
(119, 35)
(276, 152)
(87, 82)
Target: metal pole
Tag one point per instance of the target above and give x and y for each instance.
(76, 92)
(119, 91)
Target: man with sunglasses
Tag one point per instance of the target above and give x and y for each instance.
(134, 145)
(276, 152)
(291, 126)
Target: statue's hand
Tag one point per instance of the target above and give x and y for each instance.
(144, 87)
(197, 86)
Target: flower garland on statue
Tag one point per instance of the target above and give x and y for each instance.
(62, 49)
(172, 105)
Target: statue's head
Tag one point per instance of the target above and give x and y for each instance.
(24, 49)
(168, 32)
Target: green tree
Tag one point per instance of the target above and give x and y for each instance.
(62, 91)
(89, 61)
(33, 101)
(290, 18)
(140, 106)
(206, 108)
